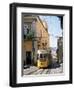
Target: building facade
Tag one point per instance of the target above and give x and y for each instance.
(34, 37)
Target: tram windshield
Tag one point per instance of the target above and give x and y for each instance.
(42, 56)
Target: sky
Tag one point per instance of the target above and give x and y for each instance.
(54, 28)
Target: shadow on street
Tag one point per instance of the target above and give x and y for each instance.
(54, 65)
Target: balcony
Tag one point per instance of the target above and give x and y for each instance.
(29, 36)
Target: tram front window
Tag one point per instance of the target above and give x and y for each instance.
(45, 56)
(41, 56)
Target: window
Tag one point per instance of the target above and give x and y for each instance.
(41, 56)
(27, 28)
(45, 56)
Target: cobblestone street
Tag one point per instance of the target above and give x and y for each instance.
(33, 70)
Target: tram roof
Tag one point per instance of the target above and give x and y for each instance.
(42, 51)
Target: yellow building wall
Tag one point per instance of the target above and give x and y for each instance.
(40, 30)
(28, 45)
(44, 34)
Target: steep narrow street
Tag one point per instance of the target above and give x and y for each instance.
(33, 70)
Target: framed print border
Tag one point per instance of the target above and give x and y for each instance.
(13, 44)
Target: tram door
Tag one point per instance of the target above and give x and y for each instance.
(28, 58)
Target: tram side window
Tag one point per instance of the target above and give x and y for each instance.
(41, 55)
(45, 55)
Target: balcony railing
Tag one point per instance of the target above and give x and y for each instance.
(29, 36)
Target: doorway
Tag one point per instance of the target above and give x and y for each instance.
(28, 58)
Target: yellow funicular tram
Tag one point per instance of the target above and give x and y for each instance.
(42, 59)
